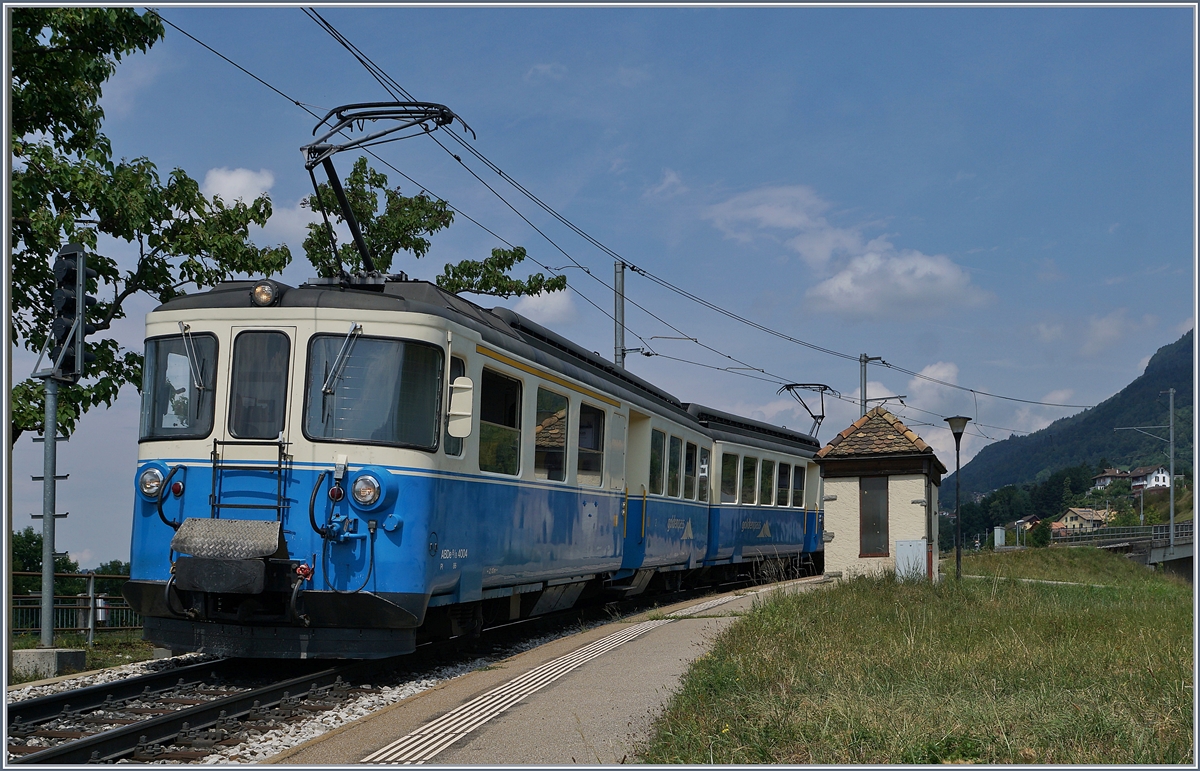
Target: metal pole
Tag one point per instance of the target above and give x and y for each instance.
(91, 607)
(957, 508)
(50, 432)
(862, 389)
(619, 313)
(1171, 434)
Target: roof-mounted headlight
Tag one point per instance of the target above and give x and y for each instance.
(264, 293)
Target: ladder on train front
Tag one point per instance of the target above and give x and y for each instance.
(220, 465)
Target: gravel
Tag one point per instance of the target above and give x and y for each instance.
(106, 676)
(270, 740)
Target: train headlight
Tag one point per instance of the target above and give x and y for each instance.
(150, 482)
(366, 489)
(264, 293)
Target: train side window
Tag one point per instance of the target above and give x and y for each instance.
(766, 483)
(785, 482)
(749, 479)
(689, 472)
(499, 423)
(658, 446)
(590, 466)
(550, 437)
(729, 472)
(673, 467)
(453, 444)
(704, 458)
(798, 488)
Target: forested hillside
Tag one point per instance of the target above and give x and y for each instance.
(1088, 437)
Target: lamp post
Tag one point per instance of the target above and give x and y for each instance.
(957, 425)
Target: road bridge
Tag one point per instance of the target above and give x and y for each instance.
(1149, 544)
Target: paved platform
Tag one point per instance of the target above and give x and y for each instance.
(589, 698)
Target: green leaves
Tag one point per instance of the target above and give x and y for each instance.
(404, 223)
(66, 187)
(491, 276)
(60, 59)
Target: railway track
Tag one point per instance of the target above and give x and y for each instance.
(189, 712)
(178, 715)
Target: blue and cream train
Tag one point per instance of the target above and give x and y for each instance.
(340, 471)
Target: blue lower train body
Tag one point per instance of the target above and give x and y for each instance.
(435, 539)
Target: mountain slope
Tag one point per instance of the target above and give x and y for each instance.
(1088, 437)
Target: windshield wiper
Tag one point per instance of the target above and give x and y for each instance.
(189, 346)
(335, 372)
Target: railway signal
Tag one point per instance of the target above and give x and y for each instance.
(71, 301)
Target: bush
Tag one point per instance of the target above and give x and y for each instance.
(1039, 536)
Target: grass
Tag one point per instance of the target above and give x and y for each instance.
(111, 649)
(876, 671)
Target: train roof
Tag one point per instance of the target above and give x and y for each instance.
(509, 330)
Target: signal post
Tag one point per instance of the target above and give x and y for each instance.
(68, 360)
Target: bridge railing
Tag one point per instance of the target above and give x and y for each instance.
(1183, 532)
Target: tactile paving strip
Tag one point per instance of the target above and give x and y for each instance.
(423, 744)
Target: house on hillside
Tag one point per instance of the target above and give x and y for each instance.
(1110, 475)
(1082, 520)
(881, 498)
(1028, 523)
(1149, 478)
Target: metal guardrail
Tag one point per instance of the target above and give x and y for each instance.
(89, 612)
(1183, 532)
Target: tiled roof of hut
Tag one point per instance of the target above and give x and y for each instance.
(879, 432)
(552, 431)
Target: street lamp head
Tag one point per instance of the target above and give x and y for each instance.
(958, 424)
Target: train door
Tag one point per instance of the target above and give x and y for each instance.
(637, 485)
(251, 459)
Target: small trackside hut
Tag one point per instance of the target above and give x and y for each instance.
(881, 485)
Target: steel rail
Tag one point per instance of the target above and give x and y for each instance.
(43, 708)
(121, 742)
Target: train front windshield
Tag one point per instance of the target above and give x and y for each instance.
(373, 390)
(177, 387)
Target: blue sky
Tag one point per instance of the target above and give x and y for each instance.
(1001, 198)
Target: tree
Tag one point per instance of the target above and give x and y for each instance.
(111, 568)
(1039, 534)
(405, 223)
(66, 187)
(27, 557)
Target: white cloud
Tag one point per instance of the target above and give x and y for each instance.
(540, 73)
(548, 308)
(1059, 396)
(669, 186)
(784, 208)
(1105, 331)
(886, 283)
(861, 278)
(1187, 324)
(1048, 332)
(289, 224)
(631, 76)
(237, 184)
(135, 75)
